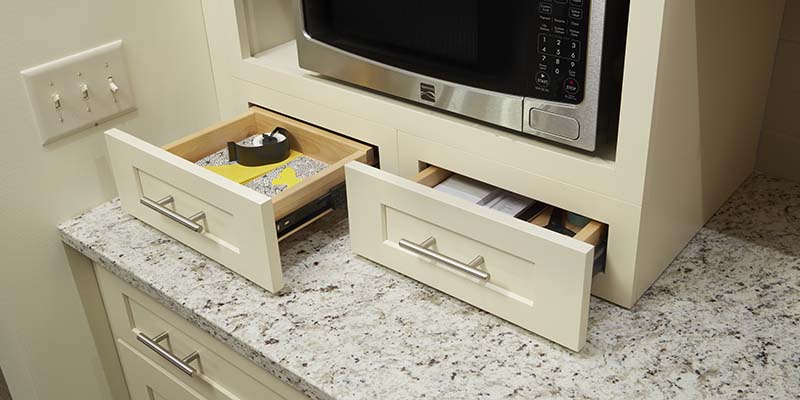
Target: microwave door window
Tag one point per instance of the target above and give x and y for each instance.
(479, 43)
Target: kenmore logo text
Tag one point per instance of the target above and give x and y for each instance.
(427, 92)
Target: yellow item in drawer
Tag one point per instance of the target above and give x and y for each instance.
(287, 177)
(241, 174)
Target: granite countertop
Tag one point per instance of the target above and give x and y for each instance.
(721, 322)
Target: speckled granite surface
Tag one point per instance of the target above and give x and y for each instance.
(722, 322)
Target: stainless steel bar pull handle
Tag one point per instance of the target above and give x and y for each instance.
(181, 363)
(160, 207)
(423, 250)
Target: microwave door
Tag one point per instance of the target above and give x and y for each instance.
(475, 43)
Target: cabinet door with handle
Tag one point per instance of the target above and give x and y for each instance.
(148, 381)
(187, 354)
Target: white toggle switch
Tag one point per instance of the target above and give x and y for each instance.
(56, 101)
(57, 104)
(84, 91)
(85, 96)
(79, 90)
(112, 86)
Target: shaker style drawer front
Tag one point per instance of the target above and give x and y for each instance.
(223, 219)
(218, 225)
(193, 363)
(191, 356)
(143, 171)
(148, 381)
(521, 272)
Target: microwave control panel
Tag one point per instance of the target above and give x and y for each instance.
(561, 32)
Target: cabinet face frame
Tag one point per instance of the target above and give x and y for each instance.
(608, 191)
(239, 57)
(670, 173)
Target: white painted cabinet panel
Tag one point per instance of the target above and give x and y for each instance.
(218, 217)
(219, 373)
(148, 381)
(526, 274)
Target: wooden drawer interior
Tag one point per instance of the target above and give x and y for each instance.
(322, 145)
(593, 232)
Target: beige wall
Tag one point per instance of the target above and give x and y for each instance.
(46, 350)
(779, 153)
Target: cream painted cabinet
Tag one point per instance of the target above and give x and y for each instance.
(228, 222)
(515, 269)
(148, 381)
(694, 90)
(186, 363)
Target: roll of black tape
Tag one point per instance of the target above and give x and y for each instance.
(274, 148)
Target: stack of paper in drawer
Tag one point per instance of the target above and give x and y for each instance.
(486, 195)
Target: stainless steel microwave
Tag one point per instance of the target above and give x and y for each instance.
(548, 68)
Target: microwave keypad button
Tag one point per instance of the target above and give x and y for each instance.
(558, 69)
(550, 45)
(554, 124)
(544, 44)
(543, 62)
(563, 27)
(542, 79)
(553, 45)
(574, 50)
(572, 72)
(571, 86)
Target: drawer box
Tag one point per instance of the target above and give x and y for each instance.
(222, 219)
(515, 269)
(218, 372)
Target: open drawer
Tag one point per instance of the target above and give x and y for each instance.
(223, 219)
(515, 269)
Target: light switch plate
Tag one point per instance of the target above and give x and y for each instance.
(65, 78)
